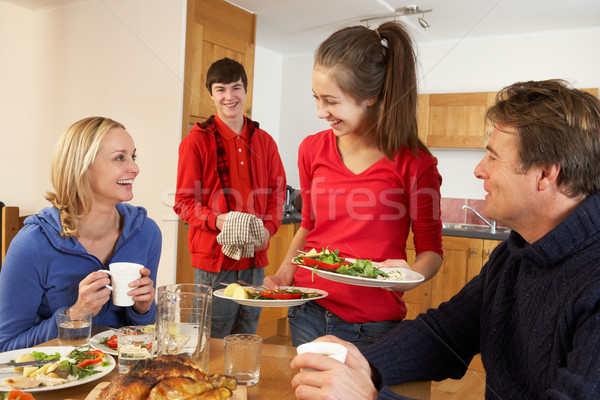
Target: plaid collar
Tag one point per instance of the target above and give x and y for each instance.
(210, 127)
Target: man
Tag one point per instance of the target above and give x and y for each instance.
(230, 190)
(534, 310)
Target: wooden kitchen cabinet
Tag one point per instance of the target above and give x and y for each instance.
(454, 120)
(457, 120)
(463, 259)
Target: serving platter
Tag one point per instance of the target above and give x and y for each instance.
(275, 302)
(96, 339)
(6, 373)
(410, 278)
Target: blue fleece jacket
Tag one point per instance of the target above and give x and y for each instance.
(42, 270)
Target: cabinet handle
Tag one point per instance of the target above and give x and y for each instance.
(475, 251)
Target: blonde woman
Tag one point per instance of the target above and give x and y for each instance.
(54, 262)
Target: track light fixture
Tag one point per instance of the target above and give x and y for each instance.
(401, 12)
(412, 10)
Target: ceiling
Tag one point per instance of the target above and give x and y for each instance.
(292, 27)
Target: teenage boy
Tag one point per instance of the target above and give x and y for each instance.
(230, 190)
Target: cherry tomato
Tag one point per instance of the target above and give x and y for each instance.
(112, 342)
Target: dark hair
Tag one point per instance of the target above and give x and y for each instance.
(378, 64)
(556, 124)
(226, 70)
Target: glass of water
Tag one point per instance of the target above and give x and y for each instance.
(74, 328)
(242, 357)
(135, 343)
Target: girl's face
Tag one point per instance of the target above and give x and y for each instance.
(344, 114)
(114, 169)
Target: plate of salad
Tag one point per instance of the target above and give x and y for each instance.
(106, 341)
(286, 296)
(329, 265)
(74, 366)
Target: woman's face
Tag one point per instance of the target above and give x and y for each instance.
(114, 169)
(344, 114)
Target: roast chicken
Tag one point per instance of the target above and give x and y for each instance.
(168, 377)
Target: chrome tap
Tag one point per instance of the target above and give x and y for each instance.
(491, 224)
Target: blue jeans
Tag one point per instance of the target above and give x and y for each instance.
(310, 321)
(228, 316)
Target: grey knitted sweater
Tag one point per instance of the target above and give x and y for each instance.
(533, 313)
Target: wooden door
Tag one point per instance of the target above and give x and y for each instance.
(215, 29)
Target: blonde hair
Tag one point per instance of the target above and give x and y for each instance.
(73, 155)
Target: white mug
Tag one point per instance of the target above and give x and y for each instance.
(122, 274)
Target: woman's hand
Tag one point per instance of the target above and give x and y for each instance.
(93, 293)
(143, 294)
(331, 379)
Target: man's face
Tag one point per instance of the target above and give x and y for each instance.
(229, 99)
(511, 192)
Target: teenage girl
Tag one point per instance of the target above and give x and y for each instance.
(365, 183)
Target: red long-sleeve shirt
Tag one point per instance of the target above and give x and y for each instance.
(366, 216)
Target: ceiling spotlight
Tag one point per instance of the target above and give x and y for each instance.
(424, 24)
(411, 10)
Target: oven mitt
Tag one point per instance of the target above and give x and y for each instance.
(240, 233)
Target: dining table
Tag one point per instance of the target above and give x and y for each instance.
(274, 383)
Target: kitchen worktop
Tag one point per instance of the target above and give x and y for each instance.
(474, 231)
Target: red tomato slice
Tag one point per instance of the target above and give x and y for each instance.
(320, 264)
(273, 294)
(112, 342)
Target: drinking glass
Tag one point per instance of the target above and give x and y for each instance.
(242, 357)
(74, 328)
(135, 343)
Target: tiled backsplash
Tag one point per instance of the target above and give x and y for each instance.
(452, 211)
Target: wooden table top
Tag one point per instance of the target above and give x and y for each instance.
(275, 375)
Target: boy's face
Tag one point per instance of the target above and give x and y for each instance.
(229, 99)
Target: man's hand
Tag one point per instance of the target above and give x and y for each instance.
(331, 379)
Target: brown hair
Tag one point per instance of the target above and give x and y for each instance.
(556, 125)
(226, 70)
(378, 64)
(73, 155)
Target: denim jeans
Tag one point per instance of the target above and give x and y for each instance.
(310, 321)
(228, 316)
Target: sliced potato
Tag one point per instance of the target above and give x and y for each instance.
(53, 375)
(240, 293)
(27, 371)
(42, 370)
(230, 289)
(312, 253)
(24, 358)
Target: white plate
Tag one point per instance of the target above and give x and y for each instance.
(6, 373)
(96, 339)
(410, 277)
(275, 302)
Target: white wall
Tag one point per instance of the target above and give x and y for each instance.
(121, 59)
(465, 66)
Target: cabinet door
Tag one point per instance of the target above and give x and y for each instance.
(460, 255)
(456, 120)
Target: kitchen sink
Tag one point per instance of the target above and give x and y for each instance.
(474, 228)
